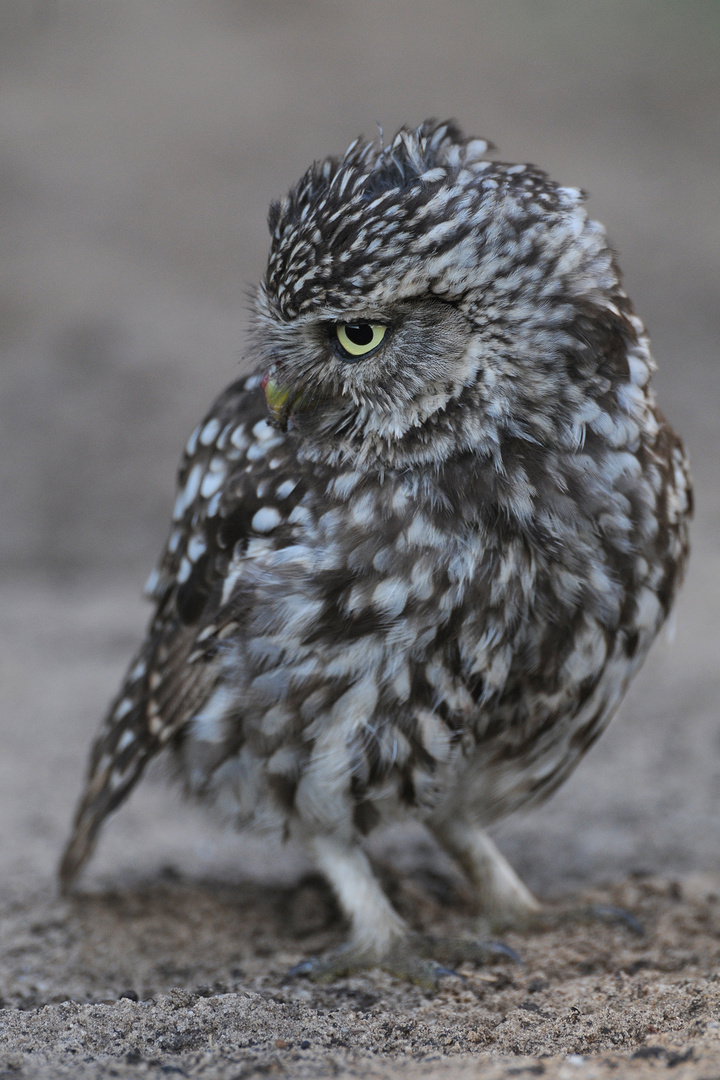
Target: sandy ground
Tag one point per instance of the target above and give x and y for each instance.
(190, 977)
(141, 143)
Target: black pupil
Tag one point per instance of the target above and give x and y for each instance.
(360, 333)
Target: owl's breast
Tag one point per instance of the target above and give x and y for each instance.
(390, 634)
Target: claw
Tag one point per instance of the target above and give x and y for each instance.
(614, 915)
(464, 950)
(502, 951)
(306, 967)
(443, 972)
(331, 966)
(552, 918)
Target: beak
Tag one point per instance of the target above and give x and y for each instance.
(276, 395)
(283, 399)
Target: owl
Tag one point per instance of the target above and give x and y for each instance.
(418, 554)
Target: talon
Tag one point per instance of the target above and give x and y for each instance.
(502, 951)
(551, 918)
(612, 914)
(443, 972)
(326, 968)
(412, 966)
(463, 950)
(305, 967)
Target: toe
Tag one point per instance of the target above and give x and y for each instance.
(553, 917)
(421, 959)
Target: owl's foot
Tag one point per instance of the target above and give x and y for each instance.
(557, 916)
(504, 900)
(380, 937)
(421, 959)
(402, 960)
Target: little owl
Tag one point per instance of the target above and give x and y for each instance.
(418, 554)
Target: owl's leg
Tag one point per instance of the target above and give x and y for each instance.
(377, 932)
(503, 899)
(375, 925)
(504, 902)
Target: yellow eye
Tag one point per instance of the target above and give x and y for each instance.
(360, 338)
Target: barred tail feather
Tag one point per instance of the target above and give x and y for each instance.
(106, 790)
(124, 746)
(161, 693)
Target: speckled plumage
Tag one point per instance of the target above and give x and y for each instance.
(424, 579)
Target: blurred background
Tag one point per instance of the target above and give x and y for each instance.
(140, 144)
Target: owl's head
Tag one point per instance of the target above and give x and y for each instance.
(422, 300)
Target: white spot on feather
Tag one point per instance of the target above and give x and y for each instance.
(210, 432)
(358, 703)
(266, 519)
(152, 583)
(191, 445)
(188, 493)
(390, 596)
(213, 505)
(275, 721)
(123, 708)
(127, 739)
(196, 548)
(285, 489)
(155, 723)
(421, 579)
(401, 683)
(233, 576)
(239, 437)
(284, 762)
(639, 369)
(207, 724)
(362, 509)
(212, 483)
(422, 533)
(434, 735)
(300, 516)
(263, 431)
(649, 612)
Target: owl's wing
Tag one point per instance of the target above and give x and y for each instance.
(175, 670)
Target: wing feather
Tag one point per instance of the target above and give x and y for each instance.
(171, 677)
